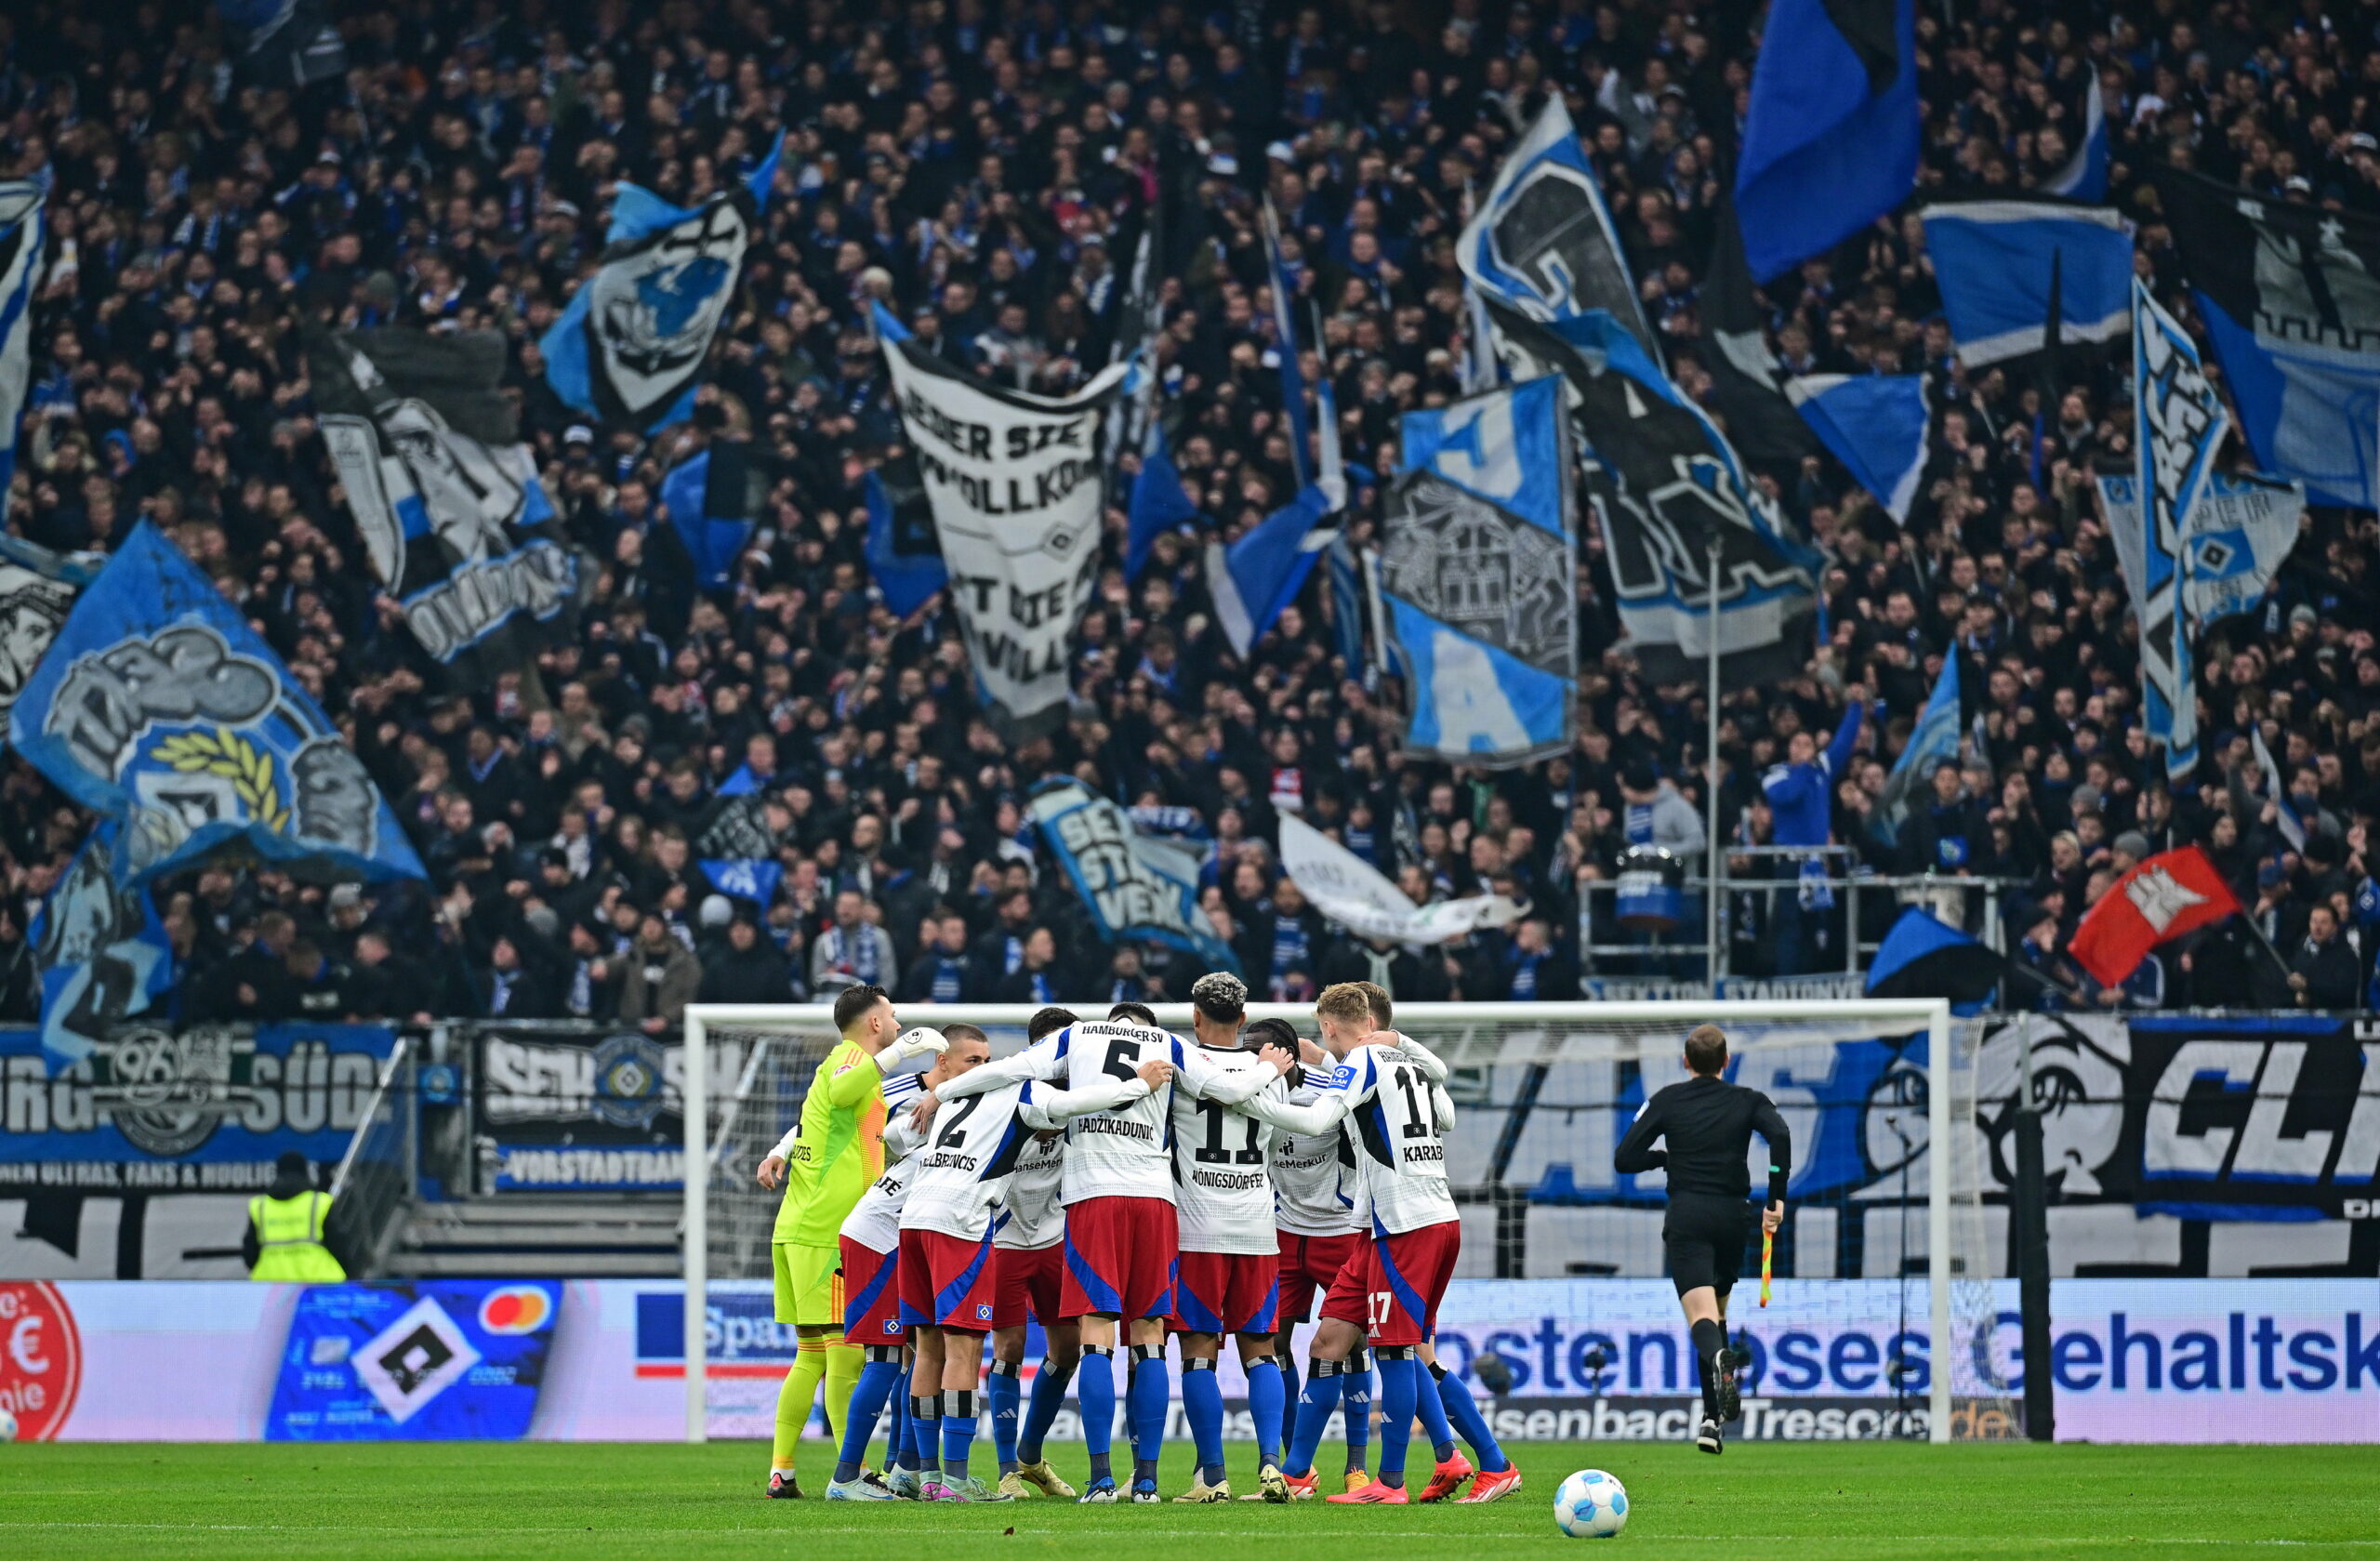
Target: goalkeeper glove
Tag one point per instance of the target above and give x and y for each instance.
(910, 1045)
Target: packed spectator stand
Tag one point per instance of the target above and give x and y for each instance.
(985, 171)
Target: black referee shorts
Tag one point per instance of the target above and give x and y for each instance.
(1704, 1239)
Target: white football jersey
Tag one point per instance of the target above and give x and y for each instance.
(1035, 1216)
(875, 1220)
(1384, 1098)
(974, 1143)
(1315, 1185)
(1220, 1183)
(1125, 1151)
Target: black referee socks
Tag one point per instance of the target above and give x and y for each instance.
(1708, 1340)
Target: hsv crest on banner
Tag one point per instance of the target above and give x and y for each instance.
(1014, 481)
(631, 345)
(1353, 892)
(1478, 563)
(1134, 886)
(2177, 426)
(446, 497)
(159, 708)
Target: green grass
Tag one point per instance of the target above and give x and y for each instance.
(1768, 1500)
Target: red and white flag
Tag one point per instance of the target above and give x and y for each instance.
(2170, 894)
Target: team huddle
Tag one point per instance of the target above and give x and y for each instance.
(1120, 1183)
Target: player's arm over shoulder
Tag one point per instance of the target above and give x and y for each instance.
(1206, 1079)
(1045, 1061)
(1044, 1108)
(1346, 1088)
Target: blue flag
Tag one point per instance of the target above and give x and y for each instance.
(1478, 565)
(1542, 243)
(159, 708)
(1158, 505)
(2177, 427)
(1134, 886)
(1875, 424)
(1997, 263)
(754, 879)
(23, 233)
(1932, 741)
(713, 501)
(1347, 611)
(1253, 578)
(1923, 957)
(630, 344)
(104, 954)
(1830, 140)
(2084, 175)
(2285, 292)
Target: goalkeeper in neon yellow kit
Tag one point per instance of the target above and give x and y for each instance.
(825, 1163)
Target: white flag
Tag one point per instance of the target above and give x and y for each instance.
(1353, 892)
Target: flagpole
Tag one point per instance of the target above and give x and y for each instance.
(1715, 868)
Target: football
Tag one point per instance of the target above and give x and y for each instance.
(7, 1427)
(1591, 1505)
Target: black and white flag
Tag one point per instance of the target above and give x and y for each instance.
(445, 497)
(1014, 482)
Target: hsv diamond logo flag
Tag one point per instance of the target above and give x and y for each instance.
(2165, 897)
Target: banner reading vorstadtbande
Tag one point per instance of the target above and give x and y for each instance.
(1014, 482)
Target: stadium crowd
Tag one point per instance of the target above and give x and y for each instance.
(986, 167)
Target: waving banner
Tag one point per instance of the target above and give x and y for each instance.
(2231, 547)
(24, 231)
(2178, 424)
(1134, 886)
(1542, 243)
(158, 708)
(1014, 482)
(444, 496)
(1353, 892)
(104, 954)
(629, 346)
(1477, 565)
(2284, 292)
(36, 588)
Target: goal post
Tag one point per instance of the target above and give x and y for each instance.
(1560, 1075)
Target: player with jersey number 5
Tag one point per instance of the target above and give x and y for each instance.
(835, 1151)
(1121, 1225)
(1705, 1125)
(955, 1209)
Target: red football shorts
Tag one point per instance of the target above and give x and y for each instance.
(1119, 1258)
(1308, 1265)
(1392, 1288)
(871, 1295)
(1027, 1279)
(1225, 1293)
(945, 1281)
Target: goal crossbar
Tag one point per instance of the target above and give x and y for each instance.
(1900, 1015)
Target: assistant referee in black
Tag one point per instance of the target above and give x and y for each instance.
(1706, 1124)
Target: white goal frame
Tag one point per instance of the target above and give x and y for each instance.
(1903, 1014)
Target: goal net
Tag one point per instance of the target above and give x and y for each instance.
(1890, 1313)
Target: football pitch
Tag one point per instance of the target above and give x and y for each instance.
(518, 1501)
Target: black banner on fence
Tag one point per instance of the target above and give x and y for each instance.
(580, 1108)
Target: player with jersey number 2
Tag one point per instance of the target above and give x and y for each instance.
(947, 1228)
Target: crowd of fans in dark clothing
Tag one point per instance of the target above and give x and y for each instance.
(985, 167)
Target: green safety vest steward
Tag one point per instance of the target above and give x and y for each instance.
(290, 1230)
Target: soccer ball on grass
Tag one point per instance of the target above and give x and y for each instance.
(1591, 1505)
(7, 1427)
